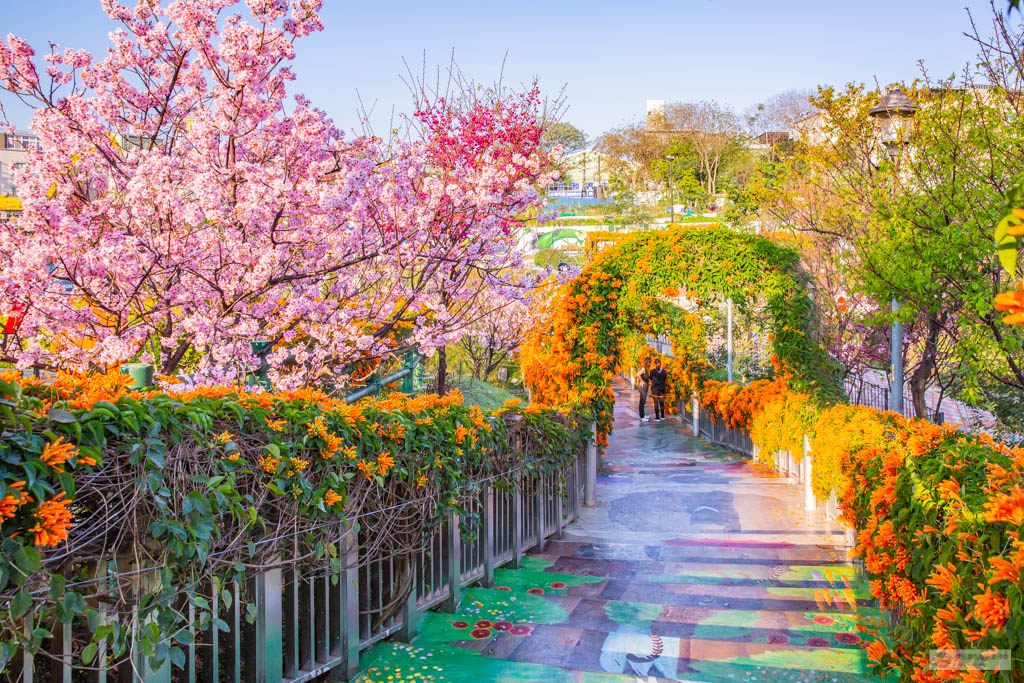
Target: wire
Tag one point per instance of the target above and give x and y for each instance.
(144, 570)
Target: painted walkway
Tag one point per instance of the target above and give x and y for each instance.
(691, 567)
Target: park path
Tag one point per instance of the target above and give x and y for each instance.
(693, 566)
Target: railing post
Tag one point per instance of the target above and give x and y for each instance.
(487, 528)
(61, 667)
(28, 663)
(539, 493)
(264, 660)
(729, 339)
(696, 417)
(590, 489)
(142, 671)
(807, 475)
(453, 564)
(349, 552)
(411, 612)
(517, 526)
(559, 509)
(756, 455)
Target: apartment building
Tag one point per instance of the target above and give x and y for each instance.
(13, 147)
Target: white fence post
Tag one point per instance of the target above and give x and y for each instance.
(807, 474)
(696, 417)
(590, 485)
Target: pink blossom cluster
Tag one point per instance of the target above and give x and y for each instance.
(182, 207)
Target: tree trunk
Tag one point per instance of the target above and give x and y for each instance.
(171, 362)
(926, 368)
(442, 369)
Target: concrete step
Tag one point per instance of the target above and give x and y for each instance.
(737, 550)
(393, 662)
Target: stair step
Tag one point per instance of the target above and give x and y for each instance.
(540, 571)
(393, 662)
(689, 643)
(483, 615)
(637, 648)
(737, 551)
(842, 597)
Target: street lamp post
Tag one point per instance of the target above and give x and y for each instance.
(893, 111)
(671, 191)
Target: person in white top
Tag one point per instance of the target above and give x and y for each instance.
(643, 385)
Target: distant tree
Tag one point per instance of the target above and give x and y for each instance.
(623, 204)
(496, 332)
(571, 138)
(779, 112)
(633, 153)
(712, 129)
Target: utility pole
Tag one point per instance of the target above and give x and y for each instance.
(671, 192)
(728, 317)
(893, 112)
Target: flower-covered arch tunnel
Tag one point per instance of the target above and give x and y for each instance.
(632, 288)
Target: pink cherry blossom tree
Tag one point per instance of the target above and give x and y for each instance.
(483, 146)
(181, 207)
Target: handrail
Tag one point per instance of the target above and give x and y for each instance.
(142, 375)
(377, 384)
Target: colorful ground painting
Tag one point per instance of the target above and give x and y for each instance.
(692, 567)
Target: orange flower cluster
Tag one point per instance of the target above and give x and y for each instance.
(991, 609)
(55, 454)
(912, 489)
(737, 405)
(13, 499)
(333, 444)
(384, 463)
(53, 520)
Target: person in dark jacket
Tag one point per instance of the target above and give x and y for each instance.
(659, 380)
(643, 385)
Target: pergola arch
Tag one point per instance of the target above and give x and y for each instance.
(571, 359)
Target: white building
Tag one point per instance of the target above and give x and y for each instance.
(12, 156)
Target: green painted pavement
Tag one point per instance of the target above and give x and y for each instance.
(692, 567)
(390, 662)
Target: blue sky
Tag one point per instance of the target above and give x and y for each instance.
(610, 55)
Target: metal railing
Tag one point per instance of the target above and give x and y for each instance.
(794, 466)
(865, 393)
(299, 623)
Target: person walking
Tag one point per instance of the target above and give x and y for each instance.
(659, 380)
(643, 385)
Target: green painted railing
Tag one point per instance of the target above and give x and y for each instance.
(295, 624)
(312, 622)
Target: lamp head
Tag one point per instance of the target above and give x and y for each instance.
(895, 105)
(893, 111)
